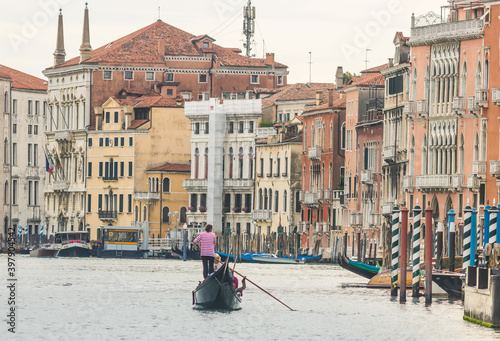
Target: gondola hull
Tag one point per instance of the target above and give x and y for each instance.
(451, 282)
(365, 270)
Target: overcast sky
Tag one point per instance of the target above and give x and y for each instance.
(335, 32)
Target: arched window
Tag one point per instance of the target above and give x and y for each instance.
(342, 136)
(313, 141)
(305, 137)
(461, 155)
(149, 185)
(240, 163)
(412, 156)
(323, 132)
(265, 198)
(136, 214)
(6, 102)
(144, 213)
(231, 155)
(483, 143)
(331, 134)
(6, 160)
(157, 189)
(486, 73)
(478, 76)
(414, 85)
(164, 214)
(424, 155)
(285, 202)
(476, 148)
(6, 193)
(196, 163)
(250, 163)
(463, 81)
(182, 218)
(261, 199)
(166, 185)
(276, 201)
(206, 163)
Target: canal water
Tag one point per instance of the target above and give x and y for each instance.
(108, 299)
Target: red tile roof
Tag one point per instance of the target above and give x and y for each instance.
(338, 103)
(136, 124)
(141, 47)
(296, 92)
(149, 101)
(21, 80)
(171, 167)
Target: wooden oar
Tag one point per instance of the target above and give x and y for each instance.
(263, 290)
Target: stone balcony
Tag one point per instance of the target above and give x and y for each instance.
(495, 168)
(481, 97)
(337, 194)
(479, 169)
(108, 215)
(472, 182)
(304, 226)
(63, 136)
(389, 154)
(473, 105)
(356, 219)
(311, 198)
(446, 32)
(408, 183)
(195, 184)
(387, 207)
(375, 219)
(459, 105)
(328, 195)
(146, 196)
(422, 108)
(60, 185)
(314, 153)
(239, 184)
(34, 213)
(367, 176)
(439, 182)
(261, 215)
(410, 109)
(324, 227)
(495, 96)
(263, 133)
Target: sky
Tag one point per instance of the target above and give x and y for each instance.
(327, 33)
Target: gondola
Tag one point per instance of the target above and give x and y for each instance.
(451, 282)
(358, 268)
(217, 292)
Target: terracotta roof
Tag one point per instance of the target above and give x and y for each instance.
(148, 101)
(141, 47)
(375, 69)
(296, 92)
(338, 103)
(140, 92)
(21, 80)
(171, 167)
(402, 37)
(136, 124)
(369, 77)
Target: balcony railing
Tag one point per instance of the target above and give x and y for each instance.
(195, 184)
(495, 96)
(311, 198)
(337, 194)
(439, 182)
(366, 176)
(422, 108)
(472, 182)
(320, 194)
(387, 208)
(410, 109)
(60, 185)
(495, 168)
(328, 194)
(482, 97)
(356, 219)
(325, 227)
(445, 32)
(375, 219)
(263, 133)
(389, 154)
(62, 136)
(304, 226)
(108, 215)
(479, 169)
(238, 183)
(261, 215)
(408, 183)
(34, 213)
(459, 104)
(315, 153)
(472, 104)
(146, 196)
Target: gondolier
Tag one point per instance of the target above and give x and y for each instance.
(206, 243)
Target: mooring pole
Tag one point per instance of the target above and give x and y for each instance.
(451, 241)
(473, 238)
(493, 223)
(395, 251)
(467, 239)
(358, 245)
(404, 254)
(416, 250)
(345, 244)
(486, 227)
(428, 255)
(439, 243)
(184, 245)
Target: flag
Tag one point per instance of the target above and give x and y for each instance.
(49, 163)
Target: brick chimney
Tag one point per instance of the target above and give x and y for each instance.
(161, 47)
(270, 59)
(339, 77)
(330, 97)
(319, 97)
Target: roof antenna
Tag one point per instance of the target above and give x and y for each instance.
(366, 59)
(159, 14)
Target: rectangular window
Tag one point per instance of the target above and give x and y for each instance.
(250, 129)
(122, 141)
(230, 129)
(130, 141)
(169, 77)
(280, 80)
(29, 154)
(89, 170)
(196, 128)
(122, 168)
(30, 107)
(37, 107)
(207, 130)
(116, 117)
(270, 174)
(150, 76)
(101, 141)
(35, 193)
(100, 169)
(14, 106)
(129, 75)
(460, 204)
(240, 127)
(482, 191)
(35, 129)
(14, 128)
(35, 155)
(424, 205)
(106, 141)
(14, 192)
(130, 168)
(254, 79)
(90, 142)
(89, 203)
(107, 116)
(129, 203)
(115, 143)
(30, 192)
(202, 78)
(120, 204)
(107, 75)
(99, 202)
(30, 129)
(411, 205)
(261, 167)
(14, 154)
(396, 85)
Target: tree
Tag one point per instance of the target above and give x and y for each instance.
(348, 77)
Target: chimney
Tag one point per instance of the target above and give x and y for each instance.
(161, 47)
(319, 97)
(85, 48)
(412, 20)
(339, 77)
(330, 97)
(59, 53)
(270, 59)
(391, 62)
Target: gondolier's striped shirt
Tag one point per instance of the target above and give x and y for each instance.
(207, 241)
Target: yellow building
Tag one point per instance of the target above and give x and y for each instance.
(278, 183)
(132, 133)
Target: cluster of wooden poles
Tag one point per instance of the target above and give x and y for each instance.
(287, 244)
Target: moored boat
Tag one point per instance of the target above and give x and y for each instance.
(272, 259)
(45, 250)
(382, 280)
(450, 282)
(217, 291)
(359, 268)
(73, 244)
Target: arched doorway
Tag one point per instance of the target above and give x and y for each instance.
(447, 207)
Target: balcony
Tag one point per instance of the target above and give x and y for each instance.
(328, 195)
(422, 108)
(472, 104)
(457, 181)
(195, 184)
(315, 153)
(495, 96)
(304, 226)
(321, 194)
(495, 168)
(110, 178)
(34, 213)
(438, 182)
(238, 184)
(408, 183)
(410, 109)
(389, 154)
(63, 136)
(337, 194)
(108, 215)
(324, 227)
(472, 182)
(263, 133)
(458, 105)
(60, 185)
(482, 98)
(366, 177)
(146, 196)
(375, 219)
(387, 208)
(301, 196)
(356, 219)
(261, 215)
(196, 217)
(479, 169)
(311, 198)
(445, 32)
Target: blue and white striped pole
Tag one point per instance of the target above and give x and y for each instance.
(451, 240)
(473, 237)
(492, 236)
(26, 235)
(467, 239)
(416, 250)
(41, 233)
(395, 252)
(451, 220)
(498, 234)
(486, 228)
(20, 233)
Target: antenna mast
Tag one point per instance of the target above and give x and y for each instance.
(248, 26)
(310, 65)
(366, 59)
